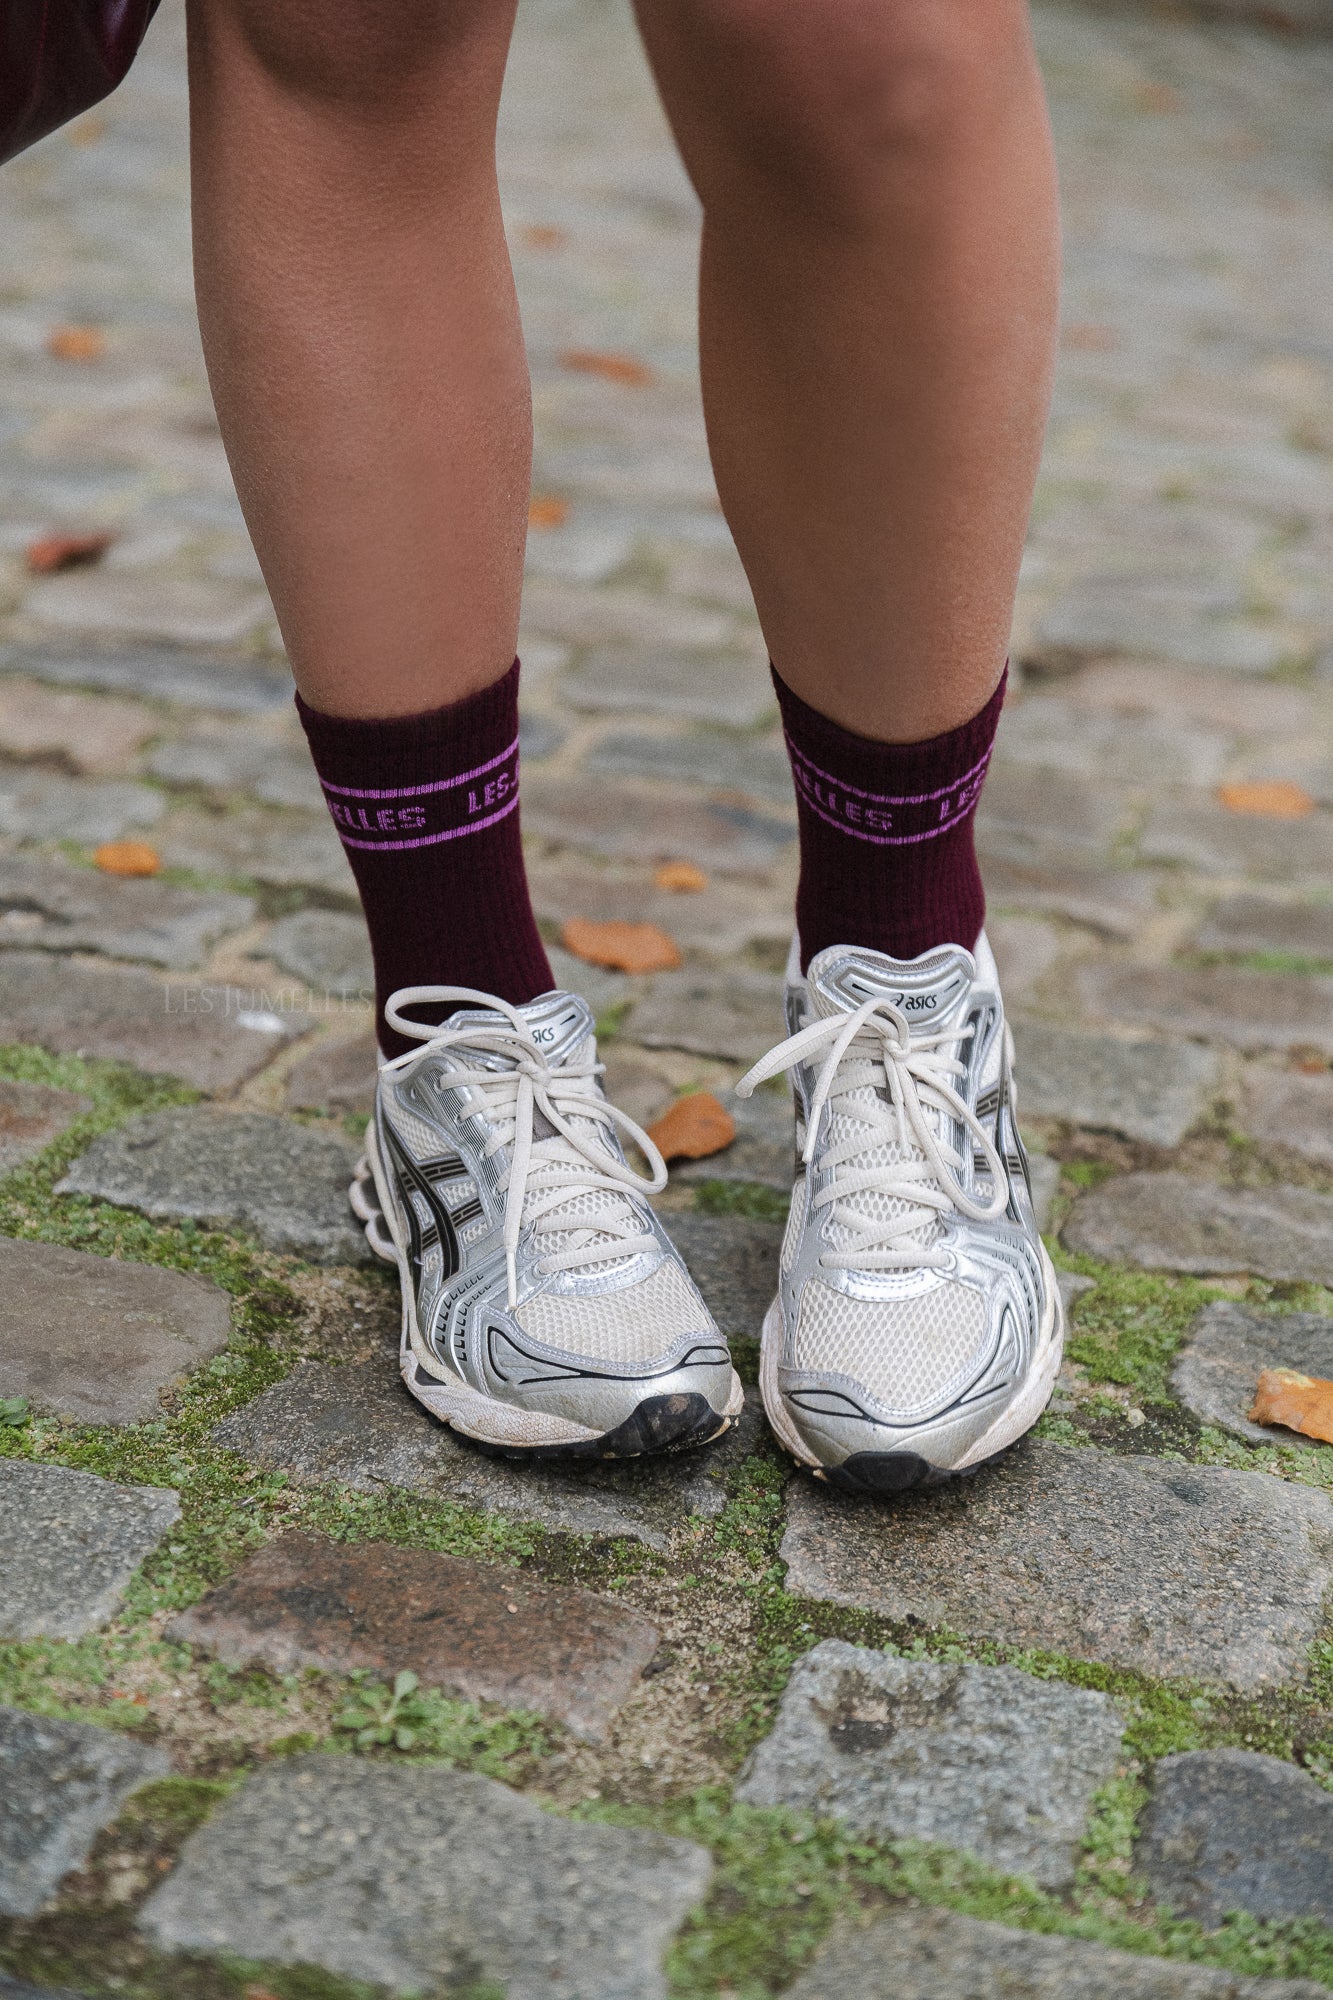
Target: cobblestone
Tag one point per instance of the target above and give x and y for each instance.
(1228, 1345)
(212, 1037)
(97, 738)
(982, 1759)
(938, 1955)
(629, 823)
(736, 1014)
(194, 677)
(285, 1181)
(69, 1544)
(31, 1116)
(1242, 924)
(336, 1076)
(280, 852)
(1232, 1830)
(1134, 1561)
(1289, 1108)
(392, 1876)
(330, 950)
(60, 1784)
(467, 1628)
(1195, 833)
(1168, 1222)
(1153, 1091)
(1251, 1010)
(97, 1339)
(34, 806)
(48, 905)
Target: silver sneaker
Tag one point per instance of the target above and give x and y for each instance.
(918, 1328)
(545, 1309)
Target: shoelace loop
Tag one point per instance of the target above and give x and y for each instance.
(512, 1096)
(916, 1075)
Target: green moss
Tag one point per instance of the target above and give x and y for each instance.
(1127, 1330)
(752, 1199)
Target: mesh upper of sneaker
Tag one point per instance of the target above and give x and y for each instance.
(631, 1325)
(906, 1353)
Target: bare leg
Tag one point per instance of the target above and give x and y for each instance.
(362, 334)
(879, 287)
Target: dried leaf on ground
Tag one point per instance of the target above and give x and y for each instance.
(1267, 798)
(127, 857)
(694, 1127)
(624, 947)
(57, 552)
(681, 877)
(543, 236)
(547, 510)
(1301, 1403)
(622, 368)
(76, 343)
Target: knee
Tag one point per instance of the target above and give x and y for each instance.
(841, 101)
(365, 54)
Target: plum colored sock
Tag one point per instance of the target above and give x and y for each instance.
(887, 857)
(427, 809)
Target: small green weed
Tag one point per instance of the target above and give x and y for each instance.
(751, 1199)
(408, 1717)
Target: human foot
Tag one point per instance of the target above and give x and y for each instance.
(545, 1310)
(917, 1329)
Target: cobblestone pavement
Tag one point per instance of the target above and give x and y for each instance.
(223, 1529)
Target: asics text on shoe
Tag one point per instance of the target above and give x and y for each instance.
(545, 1310)
(918, 1328)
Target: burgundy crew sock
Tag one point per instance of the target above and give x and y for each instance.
(427, 809)
(887, 856)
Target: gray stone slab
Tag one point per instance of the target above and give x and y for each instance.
(724, 760)
(213, 1037)
(937, 1955)
(1225, 1351)
(983, 1759)
(1030, 813)
(31, 1116)
(93, 734)
(1199, 834)
(538, 737)
(47, 904)
(96, 1339)
(722, 919)
(60, 1784)
(36, 806)
(1147, 1090)
(1106, 617)
(1242, 924)
(421, 1878)
(266, 847)
(734, 1262)
(328, 949)
(1025, 950)
(69, 1544)
(13, 1989)
(336, 1077)
(1232, 1830)
(733, 689)
(1115, 901)
(231, 682)
(1168, 1222)
(1170, 1569)
(763, 1150)
(1044, 1176)
(1048, 730)
(287, 1182)
(735, 1013)
(359, 1427)
(1251, 1010)
(716, 831)
(600, 987)
(281, 774)
(1289, 1108)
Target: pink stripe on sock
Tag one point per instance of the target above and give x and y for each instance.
(414, 791)
(427, 839)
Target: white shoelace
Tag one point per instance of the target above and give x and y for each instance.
(544, 1175)
(885, 1052)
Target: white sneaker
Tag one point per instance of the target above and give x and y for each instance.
(545, 1309)
(918, 1328)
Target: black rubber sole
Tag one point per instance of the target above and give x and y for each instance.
(660, 1425)
(881, 1474)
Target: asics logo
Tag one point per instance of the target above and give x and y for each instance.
(916, 1003)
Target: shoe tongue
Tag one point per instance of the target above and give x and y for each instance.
(558, 1022)
(930, 990)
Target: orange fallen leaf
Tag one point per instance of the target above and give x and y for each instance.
(681, 877)
(547, 510)
(76, 343)
(621, 368)
(1301, 1403)
(260, 1993)
(1267, 798)
(624, 947)
(87, 132)
(57, 552)
(127, 857)
(693, 1128)
(543, 236)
